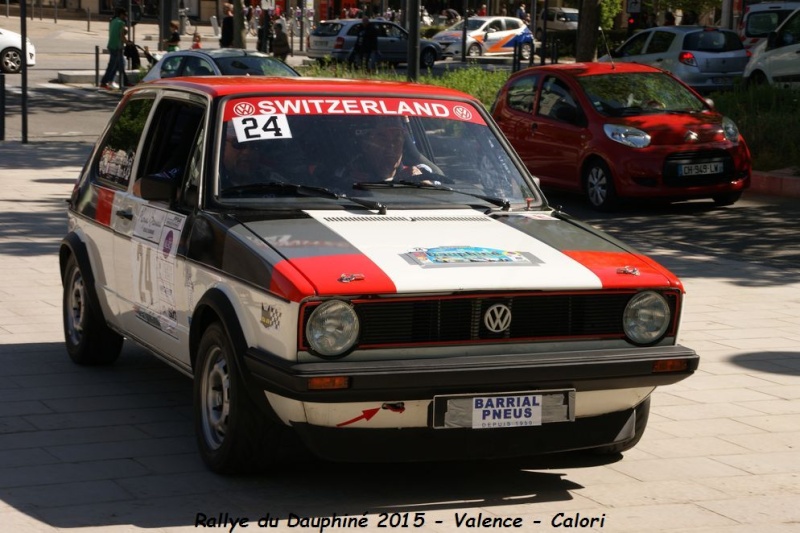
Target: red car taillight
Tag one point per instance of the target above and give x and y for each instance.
(339, 44)
(687, 58)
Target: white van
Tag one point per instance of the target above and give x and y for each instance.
(776, 60)
(760, 19)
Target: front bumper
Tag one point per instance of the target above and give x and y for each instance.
(421, 379)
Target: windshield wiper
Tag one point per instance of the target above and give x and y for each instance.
(305, 190)
(499, 202)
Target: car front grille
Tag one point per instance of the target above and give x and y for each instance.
(673, 162)
(461, 319)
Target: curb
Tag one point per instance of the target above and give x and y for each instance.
(780, 183)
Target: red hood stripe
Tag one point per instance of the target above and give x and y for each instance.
(605, 265)
(320, 275)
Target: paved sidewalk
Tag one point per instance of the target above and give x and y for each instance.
(112, 449)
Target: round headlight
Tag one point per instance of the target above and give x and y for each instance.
(332, 328)
(730, 130)
(646, 317)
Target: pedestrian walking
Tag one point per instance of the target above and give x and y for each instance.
(117, 38)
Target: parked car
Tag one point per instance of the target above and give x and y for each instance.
(249, 233)
(11, 52)
(761, 19)
(621, 131)
(557, 19)
(217, 62)
(706, 59)
(486, 36)
(334, 40)
(777, 60)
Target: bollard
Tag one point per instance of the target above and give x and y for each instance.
(2, 107)
(55, 12)
(88, 19)
(97, 66)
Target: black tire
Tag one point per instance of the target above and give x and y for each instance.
(474, 50)
(599, 186)
(88, 338)
(642, 415)
(427, 58)
(234, 436)
(11, 60)
(757, 78)
(723, 200)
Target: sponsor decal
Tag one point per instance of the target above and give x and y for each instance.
(285, 106)
(468, 255)
(506, 411)
(270, 317)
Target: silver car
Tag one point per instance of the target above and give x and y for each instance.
(334, 40)
(218, 62)
(706, 59)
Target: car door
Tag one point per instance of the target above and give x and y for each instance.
(517, 120)
(559, 134)
(110, 173)
(657, 52)
(494, 36)
(150, 269)
(783, 62)
(392, 42)
(632, 49)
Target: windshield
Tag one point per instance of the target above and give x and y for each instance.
(626, 94)
(401, 152)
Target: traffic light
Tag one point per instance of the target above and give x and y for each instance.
(634, 23)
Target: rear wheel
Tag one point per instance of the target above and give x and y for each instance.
(427, 58)
(599, 184)
(88, 338)
(526, 51)
(11, 60)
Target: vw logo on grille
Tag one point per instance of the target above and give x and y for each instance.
(497, 318)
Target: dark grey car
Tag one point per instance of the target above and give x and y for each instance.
(334, 39)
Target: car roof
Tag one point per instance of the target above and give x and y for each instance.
(219, 86)
(689, 29)
(218, 53)
(577, 70)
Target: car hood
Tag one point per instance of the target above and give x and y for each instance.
(677, 128)
(338, 252)
(11, 37)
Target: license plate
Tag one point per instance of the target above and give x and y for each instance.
(699, 169)
(318, 44)
(498, 411)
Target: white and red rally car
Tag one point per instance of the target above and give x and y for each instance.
(367, 266)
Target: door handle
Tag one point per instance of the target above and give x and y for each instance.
(125, 213)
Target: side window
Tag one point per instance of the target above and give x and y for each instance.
(522, 92)
(556, 102)
(512, 24)
(660, 42)
(171, 67)
(790, 33)
(635, 46)
(197, 66)
(115, 162)
(172, 138)
(495, 25)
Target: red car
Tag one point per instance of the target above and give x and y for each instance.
(621, 130)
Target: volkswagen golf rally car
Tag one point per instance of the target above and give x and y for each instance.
(366, 267)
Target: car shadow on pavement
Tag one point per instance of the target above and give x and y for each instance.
(43, 155)
(101, 446)
(786, 363)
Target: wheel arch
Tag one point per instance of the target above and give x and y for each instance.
(73, 246)
(215, 306)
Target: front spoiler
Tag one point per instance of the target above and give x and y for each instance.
(419, 379)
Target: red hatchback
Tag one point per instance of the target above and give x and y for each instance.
(623, 130)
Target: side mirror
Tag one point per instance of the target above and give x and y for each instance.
(772, 40)
(157, 188)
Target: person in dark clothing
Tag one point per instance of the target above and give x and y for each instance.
(226, 35)
(365, 48)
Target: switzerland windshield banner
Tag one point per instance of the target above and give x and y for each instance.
(314, 105)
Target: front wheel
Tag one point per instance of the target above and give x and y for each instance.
(88, 338)
(474, 50)
(599, 185)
